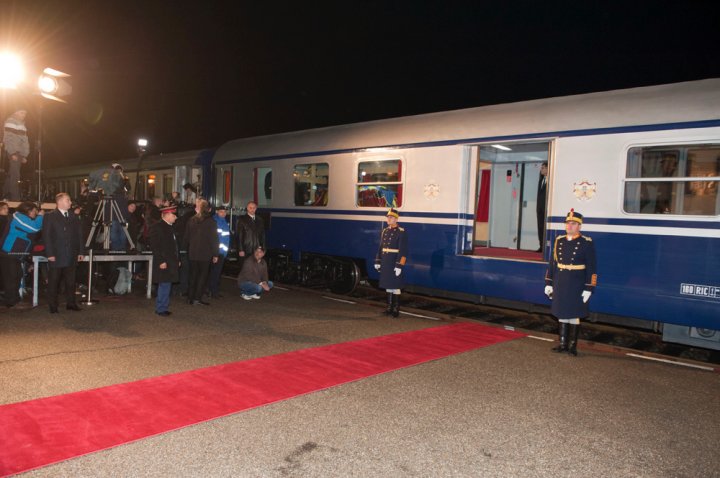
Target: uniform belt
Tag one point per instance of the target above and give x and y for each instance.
(571, 267)
(390, 250)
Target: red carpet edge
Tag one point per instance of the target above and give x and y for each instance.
(48, 430)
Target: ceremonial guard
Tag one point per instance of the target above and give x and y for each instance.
(570, 280)
(390, 260)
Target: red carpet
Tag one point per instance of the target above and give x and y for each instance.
(503, 253)
(47, 430)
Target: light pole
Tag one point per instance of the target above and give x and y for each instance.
(50, 85)
(142, 144)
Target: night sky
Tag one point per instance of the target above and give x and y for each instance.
(190, 75)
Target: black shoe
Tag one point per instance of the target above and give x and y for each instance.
(216, 296)
(53, 309)
(73, 307)
(164, 314)
(573, 339)
(563, 336)
(395, 312)
(203, 302)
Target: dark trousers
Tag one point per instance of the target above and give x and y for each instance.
(199, 272)
(541, 227)
(183, 285)
(66, 275)
(215, 273)
(12, 275)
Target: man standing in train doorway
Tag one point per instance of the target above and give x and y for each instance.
(570, 280)
(390, 261)
(540, 205)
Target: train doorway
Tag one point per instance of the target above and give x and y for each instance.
(511, 200)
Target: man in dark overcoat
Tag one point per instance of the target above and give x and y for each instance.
(62, 235)
(250, 232)
(202, 246)
(390, 261)
(570, 280)
(166, 258)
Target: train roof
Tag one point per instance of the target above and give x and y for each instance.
(149, 162)
(685, 102)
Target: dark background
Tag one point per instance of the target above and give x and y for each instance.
(195, 74)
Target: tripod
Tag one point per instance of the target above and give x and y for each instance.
(108, 213)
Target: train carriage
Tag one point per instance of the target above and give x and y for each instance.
(642, 165)
(152, 175)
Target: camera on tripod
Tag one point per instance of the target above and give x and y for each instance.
(108, 215)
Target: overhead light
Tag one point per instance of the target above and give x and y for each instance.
(142, 142)
(501, 147)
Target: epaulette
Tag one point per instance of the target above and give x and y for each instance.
(401, 229)
(587, 238)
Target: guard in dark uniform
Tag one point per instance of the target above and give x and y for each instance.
(570, 280)
(390, 260)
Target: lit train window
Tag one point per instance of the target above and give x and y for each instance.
(226, 186)
(679, 179)
(311, 184)
(379, 183)
(262, 190)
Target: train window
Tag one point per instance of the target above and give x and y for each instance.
(673, 180)
(168, 185)
(262, 191)
(311, 184)
(379, 183)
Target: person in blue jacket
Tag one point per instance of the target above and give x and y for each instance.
(390, 261)
(16, 243)
(223, 231)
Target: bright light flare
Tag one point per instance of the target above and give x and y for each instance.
(142, 142)
(11, 70)
(48, 84)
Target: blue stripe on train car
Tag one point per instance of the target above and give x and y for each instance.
(639, 275)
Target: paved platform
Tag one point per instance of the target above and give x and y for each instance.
(512, 409)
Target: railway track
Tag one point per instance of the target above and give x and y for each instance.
(640, 340)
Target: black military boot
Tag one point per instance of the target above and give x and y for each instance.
(388, 309)
(563, 333)
(395, 305)
(574, 330)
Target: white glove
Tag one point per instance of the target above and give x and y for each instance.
(548, 291)
(377, 267)
(397, 271)
(586, 296)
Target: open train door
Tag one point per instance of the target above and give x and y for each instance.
(510, 216)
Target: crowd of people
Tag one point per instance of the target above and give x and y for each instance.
(189, 244)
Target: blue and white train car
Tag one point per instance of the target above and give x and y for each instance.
(642, 165)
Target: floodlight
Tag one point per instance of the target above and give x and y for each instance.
(52, 86)
(142, 142)
(11, 70)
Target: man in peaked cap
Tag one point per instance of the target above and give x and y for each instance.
(390, 261)
(570, 280)
(166, 259)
